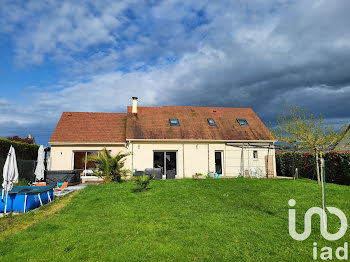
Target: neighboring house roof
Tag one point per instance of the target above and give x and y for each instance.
(27, 140)
(343, 144)
(153, 123)
(83, 127)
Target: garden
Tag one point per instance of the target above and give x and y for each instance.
(174, 220)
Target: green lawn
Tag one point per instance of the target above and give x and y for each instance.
(179, 220)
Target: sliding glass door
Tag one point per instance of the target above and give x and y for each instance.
(167, 162)
(81, 162)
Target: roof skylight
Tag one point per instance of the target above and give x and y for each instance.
(211, 122)
(242, 122)
(174, 122)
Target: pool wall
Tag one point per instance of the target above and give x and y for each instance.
(23, 202)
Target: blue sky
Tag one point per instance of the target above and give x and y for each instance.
(95, 55)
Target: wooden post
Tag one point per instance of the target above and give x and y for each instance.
(323, 181)
(323, 184)
(317, 167)
(293, 167)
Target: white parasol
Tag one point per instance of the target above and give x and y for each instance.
(40, 168)
(10, 174)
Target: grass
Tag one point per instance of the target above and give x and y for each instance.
(179, 220)
(16, 223)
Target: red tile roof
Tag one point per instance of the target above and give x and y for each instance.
(83, 127)
(153, 123)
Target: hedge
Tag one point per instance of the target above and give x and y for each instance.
(337, 166)
(23, 151)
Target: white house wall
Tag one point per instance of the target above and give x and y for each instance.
(62, 156)
(200, 157)
(196, 159)
(191, 157)
(142, 155)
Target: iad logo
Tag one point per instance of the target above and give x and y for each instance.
(323, 224)
(326, 251)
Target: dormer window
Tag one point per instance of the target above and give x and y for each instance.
(242, 122)
(211, 122)
(174, 122)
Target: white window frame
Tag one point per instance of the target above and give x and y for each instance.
(86, 151)
(257, 155)
(222, 161)
(166, 151)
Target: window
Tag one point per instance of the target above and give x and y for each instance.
(242, 122)
(174, 122)
(211, 122)
(255, 154)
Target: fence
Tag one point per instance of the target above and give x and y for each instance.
(26, 169)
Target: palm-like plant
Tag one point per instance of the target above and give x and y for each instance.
(110, 167)
(143, 181)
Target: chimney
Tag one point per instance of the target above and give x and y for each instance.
(134, 105)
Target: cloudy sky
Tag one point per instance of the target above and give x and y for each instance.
(95, 55)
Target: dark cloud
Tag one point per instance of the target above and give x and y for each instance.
(260, 54)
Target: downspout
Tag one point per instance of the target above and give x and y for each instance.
(208, 160)
(132, 157)
(225, 162)
(248, 159)
(267, 161)
(183, 160)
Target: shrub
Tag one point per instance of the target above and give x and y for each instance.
(337, 166)
(21, 182)
(345, 166)
(284, 163)
(143, 181)
(198, 175)
(208, 175)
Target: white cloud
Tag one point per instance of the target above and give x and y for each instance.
(247, 53)
(55, 26)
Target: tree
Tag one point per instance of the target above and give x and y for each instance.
(302, 129)
(108, 167)
(290, 126)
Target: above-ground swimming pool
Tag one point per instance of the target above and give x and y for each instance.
(24, 198)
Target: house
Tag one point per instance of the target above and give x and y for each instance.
(29, 140)
(182, 141)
